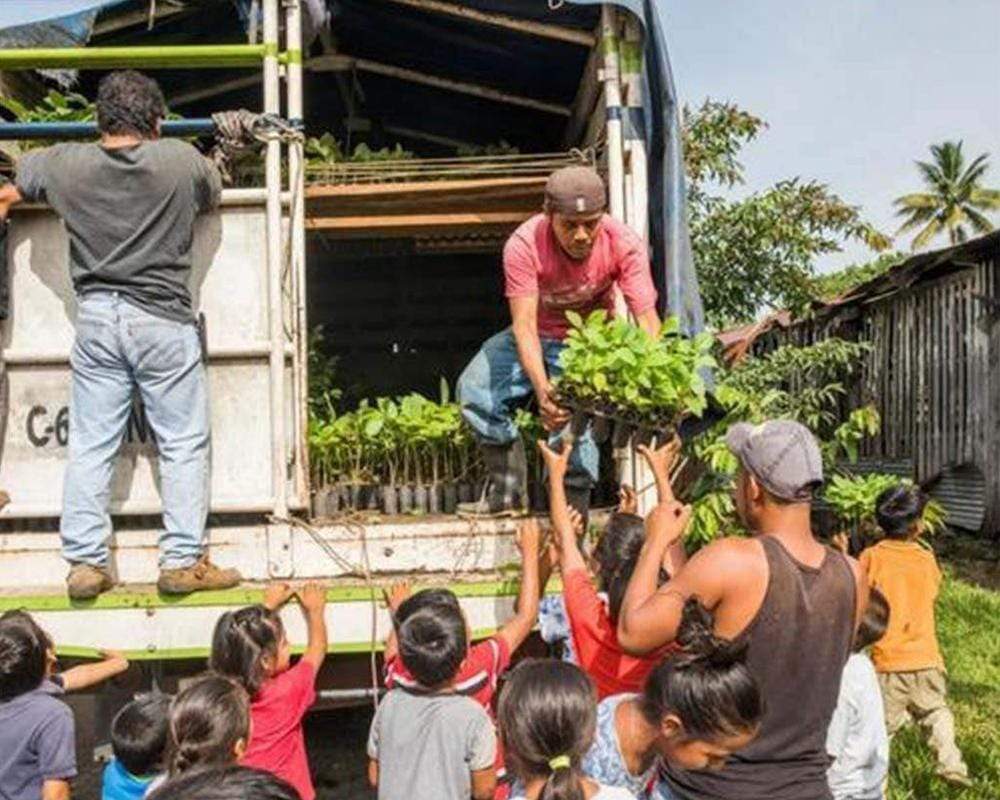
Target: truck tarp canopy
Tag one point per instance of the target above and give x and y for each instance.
(381, 108)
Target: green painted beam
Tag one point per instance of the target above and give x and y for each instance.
(149, 57)
(340, 648)
(150, 598)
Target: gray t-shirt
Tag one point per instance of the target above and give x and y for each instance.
(129, 213)
(428, 744)
(37, 742)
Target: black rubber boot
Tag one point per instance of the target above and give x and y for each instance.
(506, 490)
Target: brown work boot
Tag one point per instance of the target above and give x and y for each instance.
(199, 577)
(85, 581)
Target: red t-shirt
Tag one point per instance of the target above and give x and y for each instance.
(535, 265)
(277, 744)
(477, 678)
(595, 640)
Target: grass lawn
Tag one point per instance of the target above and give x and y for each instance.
(969, 628)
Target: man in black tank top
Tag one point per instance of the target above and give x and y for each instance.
(792, 600)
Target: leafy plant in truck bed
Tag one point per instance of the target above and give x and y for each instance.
(614, 368)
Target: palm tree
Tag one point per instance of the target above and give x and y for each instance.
(954, 200)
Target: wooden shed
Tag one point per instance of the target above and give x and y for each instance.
(933, 371)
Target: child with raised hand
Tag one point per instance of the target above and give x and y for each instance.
(593, 623)
(856, 739)
(250, 646)
(37, 731)
(428, 741)
(139, 735)
(209, 724)
(485, 661)
(908, 659)
(547, 723)
(698, 706)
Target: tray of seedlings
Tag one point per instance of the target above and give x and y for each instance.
(406, 455)
(626, 385)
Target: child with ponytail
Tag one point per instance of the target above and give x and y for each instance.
(547, 722)
(209, 724)
(696, 708)
(250, 646)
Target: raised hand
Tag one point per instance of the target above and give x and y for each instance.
(557, 463)
(276, 595)
(628, 501)
(397, 594)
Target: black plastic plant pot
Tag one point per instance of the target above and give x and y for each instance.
(390, 500)
(357, 496)
(622, 433)
(434, 499)
(537, 500)
(465, 492)
(333, 501)
(578, 423)
(644, 436)
(405, 499)
(665, 435)
(601, 428)
(449, 498)
(420, 499)
(319, 500)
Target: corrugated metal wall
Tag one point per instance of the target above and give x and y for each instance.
(934, 375)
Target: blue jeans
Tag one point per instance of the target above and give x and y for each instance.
(119, 348)
(494, 385)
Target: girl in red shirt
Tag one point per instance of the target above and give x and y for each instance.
(593, 623)
(250, 646)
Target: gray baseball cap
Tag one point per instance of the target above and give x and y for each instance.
(781, 454)
(575, 190)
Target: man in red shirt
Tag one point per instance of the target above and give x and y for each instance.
(568, 258)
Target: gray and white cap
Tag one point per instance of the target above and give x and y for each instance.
(781, 454)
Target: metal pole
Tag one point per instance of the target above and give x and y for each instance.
(88, 130)
(160, 57)
(636, 200)
(296, 187)
(613, 110)
(633, 133)
(272, 172)
(616, 167)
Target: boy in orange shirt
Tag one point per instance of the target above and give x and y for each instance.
(908, 660)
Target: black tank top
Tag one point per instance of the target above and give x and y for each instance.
(797, 647)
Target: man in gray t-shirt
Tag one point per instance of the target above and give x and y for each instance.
(129, 204)
(427, 745)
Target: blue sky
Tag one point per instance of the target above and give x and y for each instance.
(853, 90)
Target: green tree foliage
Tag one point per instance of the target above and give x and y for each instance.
(832, 285)
(954, 200)
(801, 383)
(757, 251)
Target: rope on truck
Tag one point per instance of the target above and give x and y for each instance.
(354, 523)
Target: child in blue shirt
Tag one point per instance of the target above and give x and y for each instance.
(139, 734)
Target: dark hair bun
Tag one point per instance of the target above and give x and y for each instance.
(696, 635)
